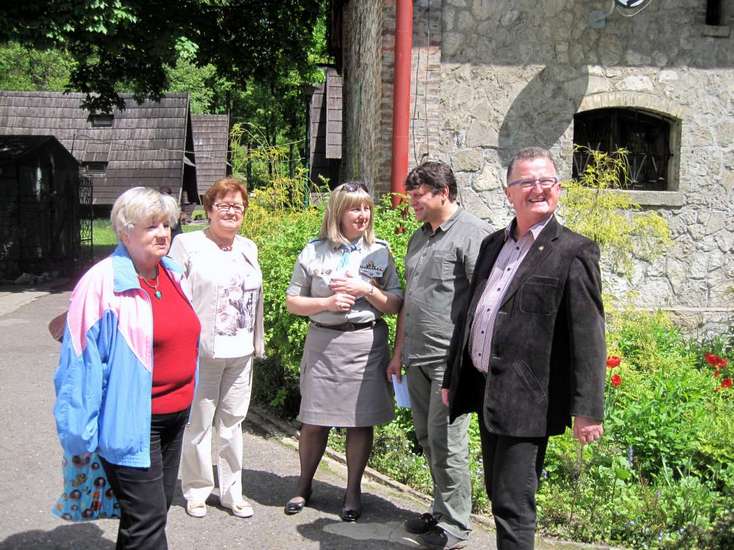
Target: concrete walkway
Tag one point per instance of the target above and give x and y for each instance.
(30, 473)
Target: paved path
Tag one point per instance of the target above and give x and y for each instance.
(30, 476)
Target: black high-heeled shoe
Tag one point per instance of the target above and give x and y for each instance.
(296, 504)
(350, 515)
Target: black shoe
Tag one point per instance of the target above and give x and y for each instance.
(420, 524)
(296, 504)
(350, 515)
(438, 539)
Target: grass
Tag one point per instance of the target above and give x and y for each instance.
(104, 240)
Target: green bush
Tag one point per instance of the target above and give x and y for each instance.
(665, 467)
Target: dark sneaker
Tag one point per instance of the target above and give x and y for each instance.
(420, 524)
(438, 539)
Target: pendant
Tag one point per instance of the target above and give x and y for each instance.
(158, 294)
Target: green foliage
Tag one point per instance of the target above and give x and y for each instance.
(594, 206)
(26, 69)
(125, 44)
(271, 166)
(186, 76)
(665, 467)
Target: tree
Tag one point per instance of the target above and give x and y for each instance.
(26, 69)
(129, 44)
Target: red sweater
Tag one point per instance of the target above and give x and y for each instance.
(176, 331)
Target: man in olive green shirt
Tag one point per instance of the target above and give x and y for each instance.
(438, 269)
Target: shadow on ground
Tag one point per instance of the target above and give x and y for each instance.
(84, 536)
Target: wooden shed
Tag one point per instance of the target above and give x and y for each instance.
(211, 143)
(39, 213)
(325, 129)
(148, 144)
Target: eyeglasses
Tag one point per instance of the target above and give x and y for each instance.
(546, 182)
(225, 207)
(353, 186)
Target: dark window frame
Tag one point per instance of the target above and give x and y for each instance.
(95, 168)
(649, 138)
(101, 120)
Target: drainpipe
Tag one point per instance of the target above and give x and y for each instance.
(401, 96)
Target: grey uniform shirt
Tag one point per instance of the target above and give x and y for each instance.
(438, 269)
(321, 259)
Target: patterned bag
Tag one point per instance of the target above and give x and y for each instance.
(87, 492)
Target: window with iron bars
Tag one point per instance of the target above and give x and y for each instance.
(646, 136)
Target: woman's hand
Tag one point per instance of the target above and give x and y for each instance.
(353, 286)
(340, 302)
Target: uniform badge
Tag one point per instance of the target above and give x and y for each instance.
(371, 270)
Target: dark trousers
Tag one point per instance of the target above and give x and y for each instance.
(512, 467)
(145, 494)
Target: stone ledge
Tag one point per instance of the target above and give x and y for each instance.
(717, 31)
(656, 198)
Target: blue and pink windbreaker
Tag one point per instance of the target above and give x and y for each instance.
(105, 374)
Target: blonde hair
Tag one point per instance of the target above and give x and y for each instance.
(142, 204)
(343, 198)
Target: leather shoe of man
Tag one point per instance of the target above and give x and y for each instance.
(420, 524)
(438, 539)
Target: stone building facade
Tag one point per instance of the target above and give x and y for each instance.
(492, 76)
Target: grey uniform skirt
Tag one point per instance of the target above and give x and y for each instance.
(343, 380)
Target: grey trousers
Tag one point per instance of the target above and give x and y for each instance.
(446, 447)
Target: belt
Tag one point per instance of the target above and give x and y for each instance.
(346, 327)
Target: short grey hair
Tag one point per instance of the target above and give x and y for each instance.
(530, 153)
(142, 204)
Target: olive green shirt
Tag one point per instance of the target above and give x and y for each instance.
(438, 269)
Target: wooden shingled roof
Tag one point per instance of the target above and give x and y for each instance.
(13, 148)
(211, 143)
(142, 145)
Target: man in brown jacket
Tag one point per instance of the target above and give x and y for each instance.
(529, 353)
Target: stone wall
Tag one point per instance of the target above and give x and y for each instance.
(493, 76)
(514, 72)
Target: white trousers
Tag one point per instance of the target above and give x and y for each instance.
(219, 408)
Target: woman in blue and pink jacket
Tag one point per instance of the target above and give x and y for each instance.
(128, 363)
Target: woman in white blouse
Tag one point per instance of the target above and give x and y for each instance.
(224, 282)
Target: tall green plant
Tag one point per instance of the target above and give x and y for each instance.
(595, 205)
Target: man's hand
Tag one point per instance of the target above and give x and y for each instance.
(394, 367)
(587, 430)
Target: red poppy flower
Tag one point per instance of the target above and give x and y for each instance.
(726, 383)
(616, 380)
(711, 358)
(721, 363)
(613, 361)
(717, 372)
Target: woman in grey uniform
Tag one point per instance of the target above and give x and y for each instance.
(344, 282)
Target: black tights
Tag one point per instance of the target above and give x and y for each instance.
(311, 447)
